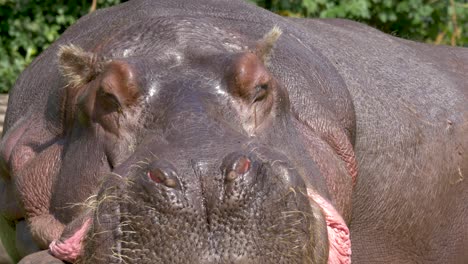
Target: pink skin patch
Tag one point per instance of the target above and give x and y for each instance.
(338, 232)
(70, 249)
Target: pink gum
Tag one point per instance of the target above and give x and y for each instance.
(71, 248)
(338, 232)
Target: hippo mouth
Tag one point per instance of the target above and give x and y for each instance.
(71, 249)
(154, 216)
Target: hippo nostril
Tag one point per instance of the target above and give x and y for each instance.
(242, 165)
(162, 176)
(157, 176)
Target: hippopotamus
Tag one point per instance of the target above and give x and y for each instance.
(218, 132)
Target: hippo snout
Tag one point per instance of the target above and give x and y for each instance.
(240, 212)
(242, 179)
(235, 166)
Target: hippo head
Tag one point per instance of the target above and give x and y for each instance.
(193, 155)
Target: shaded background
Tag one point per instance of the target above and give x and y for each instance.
(28, 26)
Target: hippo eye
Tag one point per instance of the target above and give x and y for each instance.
(260, 92)
(109, 99)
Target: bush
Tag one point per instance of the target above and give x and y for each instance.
(432, 21)
(27, 27)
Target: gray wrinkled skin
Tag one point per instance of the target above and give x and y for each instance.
(401, 106)
(247, 222)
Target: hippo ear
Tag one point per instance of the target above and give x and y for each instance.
(79, 66)
(103, 90)
(112, 94)
(265, 45)
(118, 84)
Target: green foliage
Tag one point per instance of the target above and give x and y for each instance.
(27, 27)
(7, 238)
(433, 21)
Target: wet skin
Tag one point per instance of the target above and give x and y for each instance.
(179, 132)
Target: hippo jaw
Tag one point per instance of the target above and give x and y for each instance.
(241, 218)
(142, 220)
